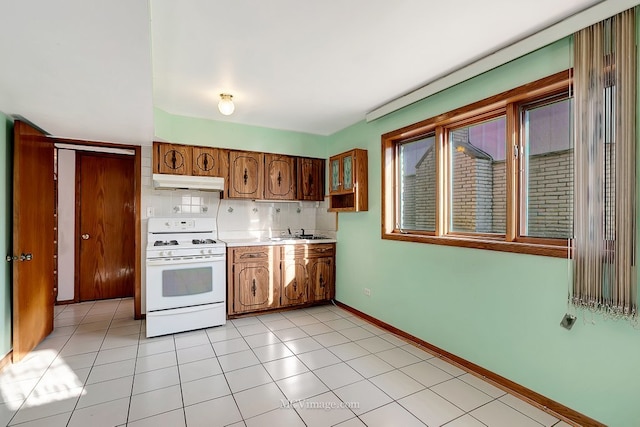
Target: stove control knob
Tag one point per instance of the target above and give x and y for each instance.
(202, 251)
(210, 251)
(168, 253)
(161, 253)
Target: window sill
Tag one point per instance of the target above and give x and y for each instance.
(557, 251)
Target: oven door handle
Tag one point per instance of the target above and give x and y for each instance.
(181, 261)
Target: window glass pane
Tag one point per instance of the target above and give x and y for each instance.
(478, 177)
(187, 281)
(548, 171)
(417, 170)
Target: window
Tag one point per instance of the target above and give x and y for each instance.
(497, 174)
(417, 179)
(478, 177)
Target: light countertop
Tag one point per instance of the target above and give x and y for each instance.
(232, 243)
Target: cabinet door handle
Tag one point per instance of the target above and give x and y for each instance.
(279, 179)
(321, 281)
(310, 180)
(245, 177)
(174, 159)
(295, 286)
(253, 288)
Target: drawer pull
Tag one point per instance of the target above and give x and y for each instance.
(254, 255)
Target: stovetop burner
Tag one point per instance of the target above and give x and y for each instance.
(203, 241)
(165, 243)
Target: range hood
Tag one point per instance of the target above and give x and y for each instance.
(167, 181)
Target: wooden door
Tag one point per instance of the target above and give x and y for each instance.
(310, 179)
(279, 177)
(33, 238)
(321, 271)
(172, 158)
(105, 226)
(206, 161)
(295, 281)
(246, 178)
(253, 289)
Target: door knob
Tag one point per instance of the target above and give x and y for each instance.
(85, 237)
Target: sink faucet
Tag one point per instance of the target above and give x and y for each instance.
(289, 230)
(302, 231)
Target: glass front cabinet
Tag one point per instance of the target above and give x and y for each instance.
(348, 181)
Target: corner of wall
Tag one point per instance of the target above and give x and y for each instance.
(6, 154)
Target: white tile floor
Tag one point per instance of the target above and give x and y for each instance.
(319, 366)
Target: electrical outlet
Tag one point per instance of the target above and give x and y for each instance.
(367, 292)
(567, 321)
(150, 212)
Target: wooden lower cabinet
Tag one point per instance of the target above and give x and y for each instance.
(295, 281)
(253, 283)
(321, 271)
(269, 277)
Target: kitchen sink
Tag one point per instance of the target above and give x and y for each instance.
(299, 237)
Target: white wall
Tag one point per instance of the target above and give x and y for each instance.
(66, 224)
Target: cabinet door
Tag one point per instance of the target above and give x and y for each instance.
(206, 161)
(295, 281)
(279, 177)
(321, 271)
(253, 289)
(173, 159)
(336, 174)
(311, 179)
(246, 175)
(347, 172)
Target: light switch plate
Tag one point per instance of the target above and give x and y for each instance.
(150, 211)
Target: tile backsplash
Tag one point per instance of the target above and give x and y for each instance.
(236, 218)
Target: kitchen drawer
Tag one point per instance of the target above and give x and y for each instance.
(251, 253)
(309, 251)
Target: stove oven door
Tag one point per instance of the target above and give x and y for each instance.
(185, 282)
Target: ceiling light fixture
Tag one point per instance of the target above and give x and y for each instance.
(225, 105)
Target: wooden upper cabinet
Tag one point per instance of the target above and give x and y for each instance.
(348, 181)
(279, 177)
(172, 158)
(310, 174)
(246, 175)
(206, 161)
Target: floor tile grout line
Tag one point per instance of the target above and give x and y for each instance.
(84, 385)
(395, 345)
(44, 373)
(232, 394)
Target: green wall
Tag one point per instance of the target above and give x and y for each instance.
(196, 131)
(6, 132)
(498, 310)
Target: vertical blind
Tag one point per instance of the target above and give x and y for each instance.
(604, 258)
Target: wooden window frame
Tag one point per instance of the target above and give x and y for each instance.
(507, 103)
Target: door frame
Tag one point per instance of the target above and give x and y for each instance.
(137, 183)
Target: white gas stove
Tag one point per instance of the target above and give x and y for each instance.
(186, 275)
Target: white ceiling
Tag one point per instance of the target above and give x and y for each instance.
(95, 69)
